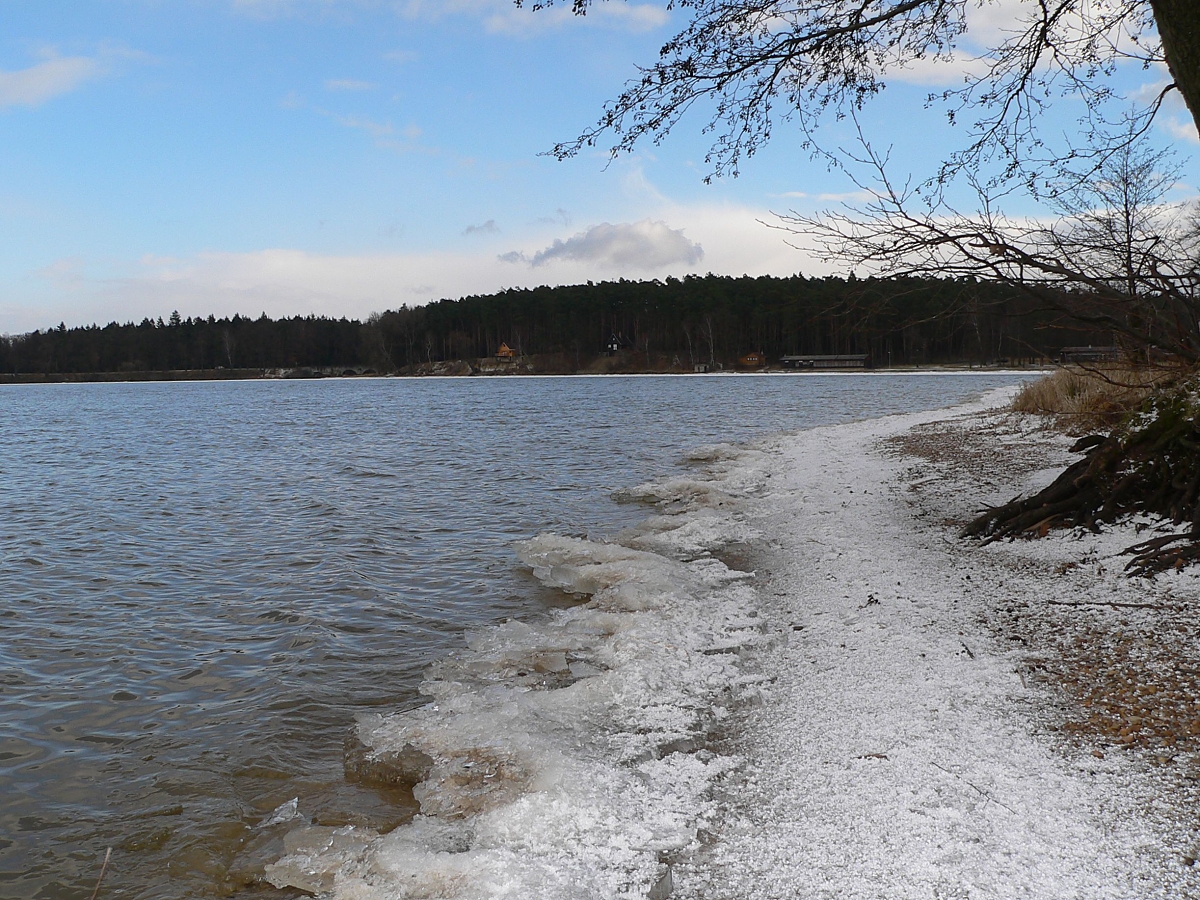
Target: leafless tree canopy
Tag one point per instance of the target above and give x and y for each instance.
(751, 64)
(1113, 253)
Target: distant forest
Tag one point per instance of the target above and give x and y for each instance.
(671, 324)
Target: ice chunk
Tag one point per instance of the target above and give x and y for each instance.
(714, 453)
(687, 537)
(285, 812)
(315, 854)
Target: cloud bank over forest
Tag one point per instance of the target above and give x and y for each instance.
(289, 281)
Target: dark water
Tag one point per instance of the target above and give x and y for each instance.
(202, 583)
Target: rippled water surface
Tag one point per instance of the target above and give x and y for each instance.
(202, 583)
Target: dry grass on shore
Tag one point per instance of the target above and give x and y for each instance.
(1083, 400)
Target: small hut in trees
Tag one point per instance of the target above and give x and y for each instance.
(505, 352)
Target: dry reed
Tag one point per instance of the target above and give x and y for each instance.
(1080, 400)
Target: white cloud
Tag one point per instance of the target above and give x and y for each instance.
(988, 25)
(383, 134)
(1182, 130)
(263, 8)
(640, 246)
(1149, 91)
(272, 9)
(349, 84)
(947, 73)
(638, 187)
(1174, 116)
(502, 16)
(635, 17)
(376, 130)
(53, 77)
(67, 273)
(488, 227)
(844, 197)
(560, 217)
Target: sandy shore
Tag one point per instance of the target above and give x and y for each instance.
(796, 681)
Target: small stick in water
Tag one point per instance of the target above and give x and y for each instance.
(103, 869)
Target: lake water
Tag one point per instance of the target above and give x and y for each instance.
(201, 584)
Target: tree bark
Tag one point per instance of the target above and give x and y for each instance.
(1179, 27)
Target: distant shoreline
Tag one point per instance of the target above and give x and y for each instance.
(461, 369)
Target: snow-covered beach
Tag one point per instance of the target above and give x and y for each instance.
(794, 680)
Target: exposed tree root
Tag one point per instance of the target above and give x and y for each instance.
(1151, 464)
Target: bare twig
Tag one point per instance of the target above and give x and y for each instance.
(987, 795)
(103, 869)
(1105, 603)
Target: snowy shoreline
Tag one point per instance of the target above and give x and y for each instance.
(911, 748)
(842, 721)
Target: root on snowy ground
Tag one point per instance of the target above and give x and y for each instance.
(1149, 464)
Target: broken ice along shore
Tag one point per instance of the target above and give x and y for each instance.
(568, 757)
(585, 755)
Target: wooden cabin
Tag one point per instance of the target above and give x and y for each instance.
(1090, 354)
(506, 352)
(753, 360)
(837, 361)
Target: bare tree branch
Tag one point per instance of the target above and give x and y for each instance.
(754, 63)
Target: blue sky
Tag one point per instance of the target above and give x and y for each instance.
(347, 156)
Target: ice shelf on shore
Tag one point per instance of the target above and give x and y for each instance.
(567, 758)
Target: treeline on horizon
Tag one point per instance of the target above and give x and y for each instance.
(672, 323)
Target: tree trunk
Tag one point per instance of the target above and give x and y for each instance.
(1179, 27)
